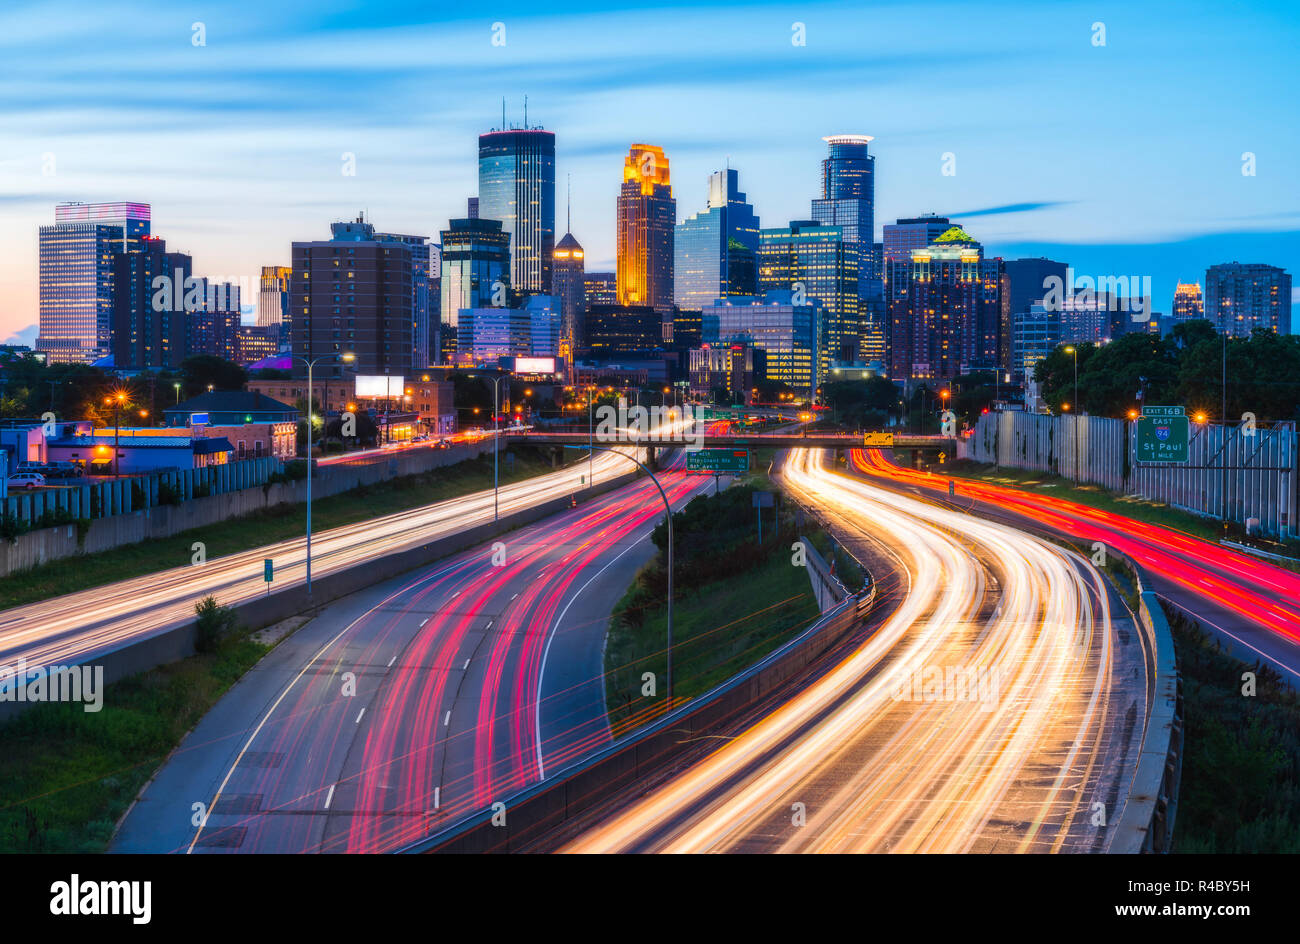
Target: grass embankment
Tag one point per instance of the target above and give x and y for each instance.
(278, 523)
(69, 774)
(1240, 787)
(734, 602)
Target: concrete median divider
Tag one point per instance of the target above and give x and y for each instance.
(535, 818)
(177, 642)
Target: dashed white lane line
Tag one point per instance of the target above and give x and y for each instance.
(359, 714)
(329, 796)
(391, 661)
(446, 719)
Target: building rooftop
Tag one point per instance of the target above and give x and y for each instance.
(231, 401)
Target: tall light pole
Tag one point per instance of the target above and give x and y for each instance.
(347, 358)
(1071, 349)
(177, 385)
(117, 400)
(496, 443)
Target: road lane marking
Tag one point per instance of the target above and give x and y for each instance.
(466, 665)
(359, 714)
(391, 661)
(446, 719)
(425, 620)
(329, 796)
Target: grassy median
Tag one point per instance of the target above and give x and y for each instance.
(1240, 789)
(278, 523)
(70, 775)
(734, 602)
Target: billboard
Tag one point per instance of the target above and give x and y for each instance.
(383, 385)
(534, 365)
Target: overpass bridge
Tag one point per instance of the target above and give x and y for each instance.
(807, 439)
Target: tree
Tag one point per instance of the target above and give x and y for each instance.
(204, 370)
(861, 403)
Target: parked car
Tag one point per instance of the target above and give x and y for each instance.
(26, 480)
(63, 470)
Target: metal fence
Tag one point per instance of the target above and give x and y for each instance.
(102, 499)
(1254, 469)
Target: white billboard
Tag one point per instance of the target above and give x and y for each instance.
(384, 385)
(534, 365)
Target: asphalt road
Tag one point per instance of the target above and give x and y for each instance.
(1251, 605)
(1023, 742)
(399, 709)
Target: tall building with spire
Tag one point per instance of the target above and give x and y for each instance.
(647, 215)
(516, 185)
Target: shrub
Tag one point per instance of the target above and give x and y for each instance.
(213, 622)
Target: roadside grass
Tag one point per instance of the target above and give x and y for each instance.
(735, 601)
(278, 523)
(1240, 790)
(70, 775)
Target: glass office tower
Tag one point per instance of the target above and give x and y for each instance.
(1241, 296)
(714, 251)
(516, 185)
(76, 276)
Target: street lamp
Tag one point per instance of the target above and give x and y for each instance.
(177, 385)
(1071, 349)
(496, 444)
(118, 401)
(346, 357)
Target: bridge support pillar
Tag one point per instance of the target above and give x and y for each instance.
(652, 458)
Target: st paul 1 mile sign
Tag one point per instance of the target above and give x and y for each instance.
(1162, 434)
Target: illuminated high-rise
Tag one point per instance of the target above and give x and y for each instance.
(1189, 304)
(516, 185)
(568, 283)
(273, 298)
(475, 266)
(714, 251)
(812, 260)
(1242, 296)
(647, 214)
(849, 192)
(76, 276)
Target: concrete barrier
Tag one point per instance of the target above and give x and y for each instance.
(162, 521)
(177, 641)
(535, 816)
(826, 586)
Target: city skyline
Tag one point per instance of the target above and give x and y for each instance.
(238, 207)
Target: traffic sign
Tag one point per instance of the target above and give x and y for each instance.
(878, 440)
(267, 570)
(1162, 434)
(718, 461)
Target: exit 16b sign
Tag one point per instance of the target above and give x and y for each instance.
(1162, 434)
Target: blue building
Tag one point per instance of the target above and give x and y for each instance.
(715, 251)
(516, 185)
(788, 330)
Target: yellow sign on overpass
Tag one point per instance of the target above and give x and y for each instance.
(878, 440)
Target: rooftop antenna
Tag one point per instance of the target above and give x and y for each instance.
(568, 204)
(503, 113)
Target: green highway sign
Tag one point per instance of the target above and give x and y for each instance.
(1162, 434)
(718, 461)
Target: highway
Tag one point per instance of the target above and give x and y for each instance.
(990, 711)
(75, 627)
(1253, 605)
(473, 678)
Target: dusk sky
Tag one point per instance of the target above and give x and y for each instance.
(1122, 159)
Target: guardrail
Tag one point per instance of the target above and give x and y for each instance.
(541, 811)
(1147, 823)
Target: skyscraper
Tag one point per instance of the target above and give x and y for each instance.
(849, 193)
(475, 269)
(600, 288)
(76, 276)
(273, 298)
(786, 328)
(516, 185)
(647, 214)
(1189, 304)
(813, 260)
(1240, 296)
(714, 251)
(568, 284)
(944, 310)
(149, 327)
(422, 257)
(352, 293)
(916, 232)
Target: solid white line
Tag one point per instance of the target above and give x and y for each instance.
(466, 665)
(425, 620)
(359, 714)
(329, 796)
(391, 661)
(541, 672)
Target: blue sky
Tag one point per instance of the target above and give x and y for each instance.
(1121, 159)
